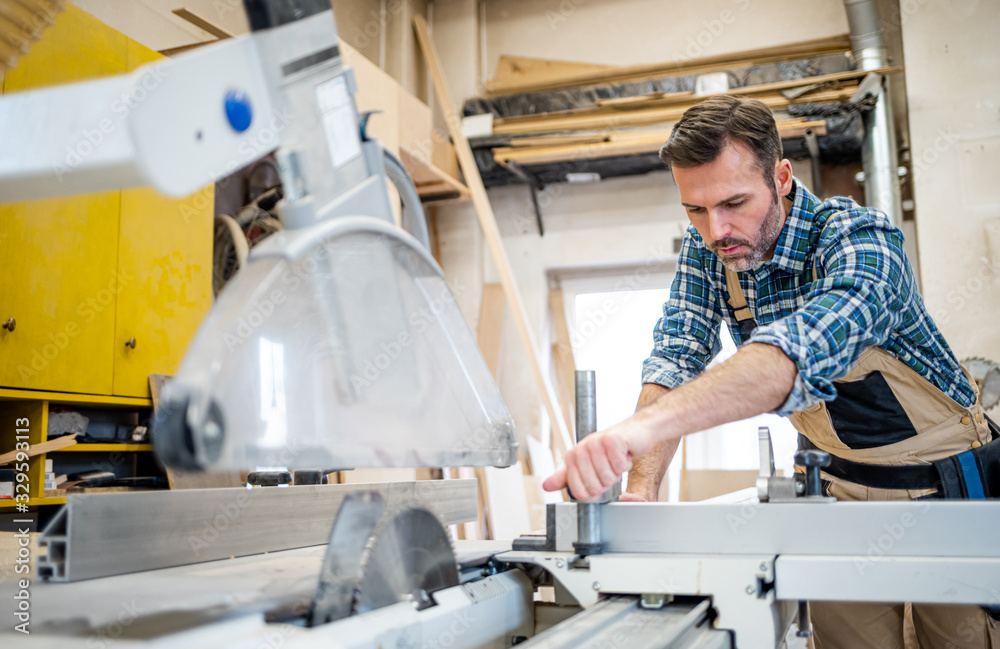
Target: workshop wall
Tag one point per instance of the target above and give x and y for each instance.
(951, 56)
(629, 32)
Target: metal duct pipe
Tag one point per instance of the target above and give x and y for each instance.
(878, 152)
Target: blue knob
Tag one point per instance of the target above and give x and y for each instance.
(238, 110)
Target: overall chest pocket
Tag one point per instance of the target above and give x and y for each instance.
(867, 414)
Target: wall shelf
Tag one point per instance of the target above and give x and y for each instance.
(71, 399)
(105, 448)
(34, 502)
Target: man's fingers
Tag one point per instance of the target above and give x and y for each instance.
(588, 471)
(595, 464)
(629, 497)
(556, 481)
(616, 451)
(602, 466)
(576, 487)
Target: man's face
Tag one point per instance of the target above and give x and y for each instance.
(735, 211)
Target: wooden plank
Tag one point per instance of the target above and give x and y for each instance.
(435, 233)
(602, 121)
(614, 118)
(202, 480)
(616, 102)
(202, 24)
(439, 191)
(487, 220)
(174, 51)
(536, 503)
(42, 447)
(701, 484)
(522, 70)
(491, 325)
(659, 99)
(647, 101)
(414, 125)
(563, 361)
(461, 529)
(626, 144)
(424, 172)
(508, 510)
(484, 528)
(803, 49)
(156, 383)
(558, 140)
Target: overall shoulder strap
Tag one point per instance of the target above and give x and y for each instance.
(738, 302)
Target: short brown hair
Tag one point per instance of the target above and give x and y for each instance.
(705, 129)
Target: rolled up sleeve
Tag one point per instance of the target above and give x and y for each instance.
(856, 303)
(687, 336)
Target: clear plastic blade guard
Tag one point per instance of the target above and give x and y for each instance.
(338, 346)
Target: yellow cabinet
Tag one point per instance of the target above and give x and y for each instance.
(87, 274)
(165, 264)
(58, 288)
(61, 254)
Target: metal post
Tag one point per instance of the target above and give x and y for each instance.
(589, 514)
(586, 403)
(878, 152)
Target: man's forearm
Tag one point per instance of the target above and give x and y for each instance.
(647, 471)
(757, 379)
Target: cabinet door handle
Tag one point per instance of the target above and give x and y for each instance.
(10, 324)
(130, 343)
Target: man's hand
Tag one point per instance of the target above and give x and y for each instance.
(757, 379)
(597, 463)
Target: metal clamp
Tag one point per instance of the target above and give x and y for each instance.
(798, 488)
(10, 324)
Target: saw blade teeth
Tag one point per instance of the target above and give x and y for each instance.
(986, 373)
(408, 552)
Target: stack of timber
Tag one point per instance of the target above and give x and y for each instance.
(595, 129)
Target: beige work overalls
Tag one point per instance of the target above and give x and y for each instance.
(943, 428)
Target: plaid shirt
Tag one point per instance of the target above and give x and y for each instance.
(866, 296)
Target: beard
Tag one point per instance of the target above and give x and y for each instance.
(753, 257)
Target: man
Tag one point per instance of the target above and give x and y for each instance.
(832, 332)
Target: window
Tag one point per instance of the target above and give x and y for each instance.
(611, 319)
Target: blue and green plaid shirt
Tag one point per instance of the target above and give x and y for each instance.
(866, 296)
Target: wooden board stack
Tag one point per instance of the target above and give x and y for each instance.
(23, 22)
(637, 125)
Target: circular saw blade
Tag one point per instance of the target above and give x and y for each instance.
(408, 557)
(987, 374)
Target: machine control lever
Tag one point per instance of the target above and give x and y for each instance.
(766, 462)
(813, 460)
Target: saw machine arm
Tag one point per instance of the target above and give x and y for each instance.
(339, 344)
